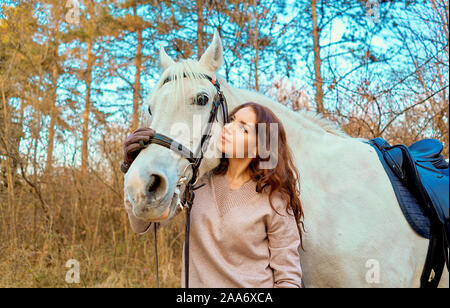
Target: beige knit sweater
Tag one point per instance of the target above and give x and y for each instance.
(237, 239)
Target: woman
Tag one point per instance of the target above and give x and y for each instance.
(245, 220)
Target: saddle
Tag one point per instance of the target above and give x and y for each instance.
(419, 175)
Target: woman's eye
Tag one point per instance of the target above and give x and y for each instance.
(243, 129)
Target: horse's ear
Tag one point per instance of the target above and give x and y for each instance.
(164, 60)
(213, 56)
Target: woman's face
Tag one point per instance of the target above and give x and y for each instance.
(238, 138)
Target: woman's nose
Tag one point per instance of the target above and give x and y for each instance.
(228, 128)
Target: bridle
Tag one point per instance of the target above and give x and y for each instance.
(188, 196)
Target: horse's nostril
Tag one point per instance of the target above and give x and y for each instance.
(156, 188)
(155, 181)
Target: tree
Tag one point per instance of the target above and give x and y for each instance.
(339, 63)
(318, 82)
(95, 24)
(22, 79)
(135, 22)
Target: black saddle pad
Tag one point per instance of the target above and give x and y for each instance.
(413, 210)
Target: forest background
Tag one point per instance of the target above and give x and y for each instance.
(73, 80)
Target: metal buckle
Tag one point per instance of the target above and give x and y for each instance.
(184, 179)
(181, 205)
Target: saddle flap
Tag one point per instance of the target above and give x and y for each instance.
(394, 158)
(436, 186)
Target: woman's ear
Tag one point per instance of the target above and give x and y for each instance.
(212, 59)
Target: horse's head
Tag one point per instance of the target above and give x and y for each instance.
(180, 105)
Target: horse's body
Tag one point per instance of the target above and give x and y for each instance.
(356, 234)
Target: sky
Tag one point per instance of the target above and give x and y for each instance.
(337, 29)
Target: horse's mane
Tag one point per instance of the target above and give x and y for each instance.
(191, 68)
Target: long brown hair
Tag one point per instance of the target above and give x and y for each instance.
(284, 177)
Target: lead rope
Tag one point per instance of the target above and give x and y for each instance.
(156, 255)
(186, 248)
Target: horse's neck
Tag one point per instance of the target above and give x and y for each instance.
(295, 123)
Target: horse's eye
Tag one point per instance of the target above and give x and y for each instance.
(149, 110)
(201, 99)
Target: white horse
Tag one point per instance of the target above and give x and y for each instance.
(356, 234)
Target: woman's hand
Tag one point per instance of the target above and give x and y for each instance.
(133, 145)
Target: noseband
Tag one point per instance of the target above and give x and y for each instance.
(188, 196)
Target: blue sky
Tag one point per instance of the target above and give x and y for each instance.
(112, 96)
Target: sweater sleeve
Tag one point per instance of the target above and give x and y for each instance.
(284, 242)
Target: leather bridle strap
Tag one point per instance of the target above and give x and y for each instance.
(194, 161)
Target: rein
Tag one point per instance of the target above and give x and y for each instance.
(188, 196)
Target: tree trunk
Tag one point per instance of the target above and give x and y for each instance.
(256, 44)
(200, 33)
(318, 82)
(9, 171)
(51, 129)
(85, 132)
(137, 83)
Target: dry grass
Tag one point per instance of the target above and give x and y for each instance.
(88, 223)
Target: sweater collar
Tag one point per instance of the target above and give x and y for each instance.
(227, 198)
